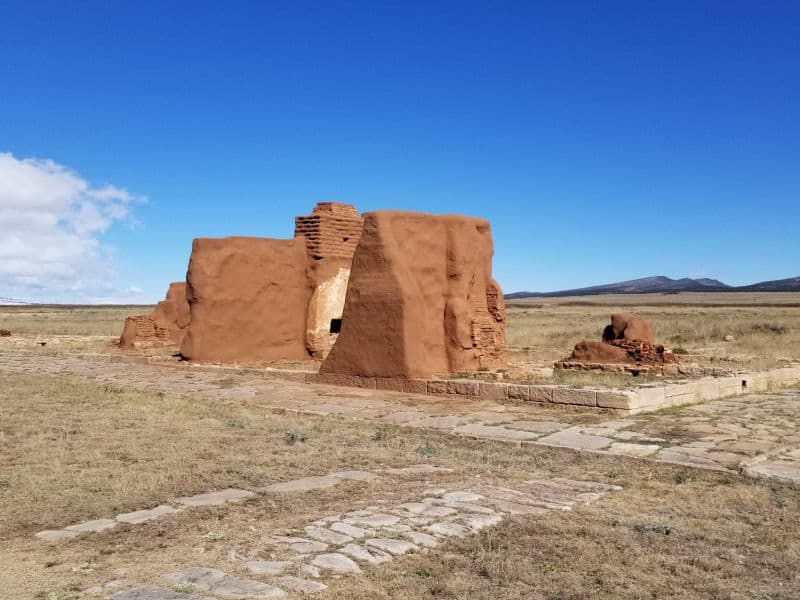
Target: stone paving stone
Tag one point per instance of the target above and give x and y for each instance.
(301, 586)
(780, 469)
(372, 556)
(336, 562)
(56, 535)
(461, 497)
(448, 422)
(299, 545)
(571, 438)
(347, 529)
(417, 470)
(377, 520)
(448, 529)
(266, 567)
(355, 475)
(541, 427)
(468, 507)
(216, 498)
(141, 516)
(224, 584)
(150, 592)
(322, 534)
(478, 522)
(304, 484)
(95, 526)
(494, 432)
(391, 545)
(676, 456)
(628, 449)
(422, 539)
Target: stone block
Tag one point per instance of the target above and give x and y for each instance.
(620, 399)
(436, 386)
(682, 399)
(496, 392)
(541, 393)
(709, 389)
(519, 392)
(651, 396)
(347, 380)
(463, 388)
(755, 382)
(578, 396)
(399, 384)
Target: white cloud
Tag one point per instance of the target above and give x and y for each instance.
(51, 224)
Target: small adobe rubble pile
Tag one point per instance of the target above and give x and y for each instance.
(627, 340)
(165, 326)
(421, 299)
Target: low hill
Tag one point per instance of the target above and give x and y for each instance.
(665, 285)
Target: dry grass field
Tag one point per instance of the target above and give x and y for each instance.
(72, 450)
(765, 327)
(37, 320)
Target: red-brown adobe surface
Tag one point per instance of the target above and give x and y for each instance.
(421, 300)
(626, 340)
(166, 325)
(248, 300)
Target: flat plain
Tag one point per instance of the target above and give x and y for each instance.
(83, 438)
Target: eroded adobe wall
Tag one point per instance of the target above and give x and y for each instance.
(421, 300)
(248, 300)
(332, 232)
(165, 326)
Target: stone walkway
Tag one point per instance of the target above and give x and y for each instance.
(340, 545)
(757, 434)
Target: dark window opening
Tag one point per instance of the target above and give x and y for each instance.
(344, 239)
(336, 325)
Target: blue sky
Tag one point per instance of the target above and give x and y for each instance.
(603, 140)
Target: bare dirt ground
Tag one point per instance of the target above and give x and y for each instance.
(85, 437)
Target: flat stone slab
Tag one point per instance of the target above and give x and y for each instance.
(56, 535)
(304, 587)
(355, 475)
(224, 584)
(266, 567)
(322, 534)
(570, 438)
(95, 526)
(634, 449)
(150, 592)
(417, 470)
(336, 562)
(300, 545)
(348, 529)
(304, 484)
(392, 546)
(675, 456)
(141, 516)
(541, 427)
(376, 520)
(780, 469)
(216, 498)
(372, 556)
(495, 432)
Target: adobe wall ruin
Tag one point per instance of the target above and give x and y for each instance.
(421, 300)
(332, 232)
(263, 300)
(248, 299)
(165, 326)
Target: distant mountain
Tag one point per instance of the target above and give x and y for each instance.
(664, 285)
(779, 285)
